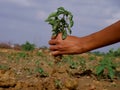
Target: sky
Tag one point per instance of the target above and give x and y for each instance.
(24, 20)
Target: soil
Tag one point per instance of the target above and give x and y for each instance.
(38, 70)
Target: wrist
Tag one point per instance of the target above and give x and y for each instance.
(86, 44)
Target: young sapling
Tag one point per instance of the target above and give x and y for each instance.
(61, 22)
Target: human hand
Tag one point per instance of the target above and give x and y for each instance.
(71, 45)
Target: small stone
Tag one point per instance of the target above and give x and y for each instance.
(92, 87)
(71, 84)
(88, 77)
(113, 83)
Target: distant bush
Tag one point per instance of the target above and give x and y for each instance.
(28, 46)
(115, 53)
(17, 47)
(98, 53)
(5, 45)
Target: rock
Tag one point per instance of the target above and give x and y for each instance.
(71, 83)
(92, 87)
(7, 78)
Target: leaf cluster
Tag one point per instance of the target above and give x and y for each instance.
(61, 21)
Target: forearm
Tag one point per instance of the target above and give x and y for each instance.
(107, 36)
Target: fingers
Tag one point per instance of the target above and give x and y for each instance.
(53, 47)
(55, 40)
(55, 50)
(53, 37)
(52, 42)
(55, 53)
(55, 44)
(59, 36)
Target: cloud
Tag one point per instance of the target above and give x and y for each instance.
(115, 18)
(41, 15)
(26, 3)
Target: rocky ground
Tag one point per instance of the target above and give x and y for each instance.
(38, 70)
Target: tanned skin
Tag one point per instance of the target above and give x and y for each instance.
(78, 45)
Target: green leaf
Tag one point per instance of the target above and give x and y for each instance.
(71, 23)
(52, 14)
(71, 20)
(64, 34)
(111, 72)
(69, 30)
(99, 69)
(54, 34)
(61, 9)
(52, 22)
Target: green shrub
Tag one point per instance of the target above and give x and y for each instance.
(28, 46)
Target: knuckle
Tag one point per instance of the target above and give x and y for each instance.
(59, 46)
(51, 47)
(58, 41)
(49, 42)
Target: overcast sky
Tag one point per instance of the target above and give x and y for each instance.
(24, 20)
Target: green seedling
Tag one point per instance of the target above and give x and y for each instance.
(91, 58)
(42, 72)
(4, 67)
(106, 68)
(73, 65)
(82, 63)
(61, 21)
(22, 55)
(58, 84)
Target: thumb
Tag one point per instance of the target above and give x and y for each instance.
(59, 36)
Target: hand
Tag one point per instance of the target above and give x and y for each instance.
(71, 45)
